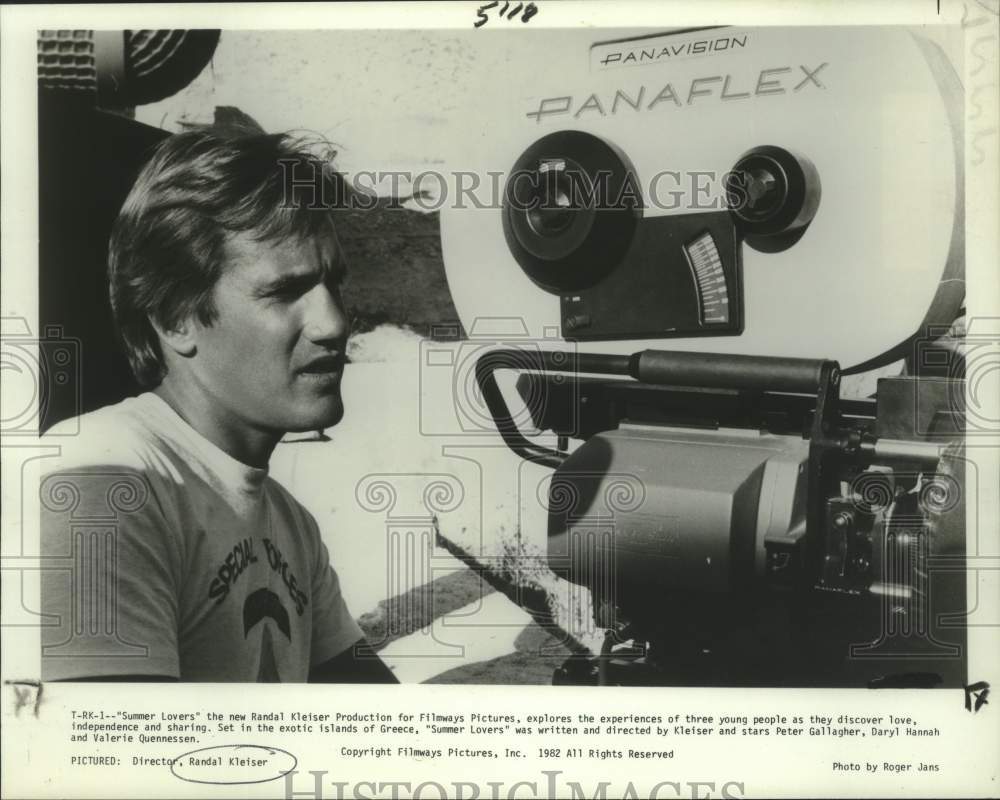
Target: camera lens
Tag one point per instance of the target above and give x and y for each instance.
(570, 210)
(555, 207)
(549, 211)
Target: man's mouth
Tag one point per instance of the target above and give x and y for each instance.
(322, 366)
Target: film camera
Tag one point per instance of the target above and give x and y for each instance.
(724, 223)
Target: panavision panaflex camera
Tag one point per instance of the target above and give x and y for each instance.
(723, 224)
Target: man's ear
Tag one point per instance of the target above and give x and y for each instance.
(179, 337)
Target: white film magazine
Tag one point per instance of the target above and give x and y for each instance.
(570, 400)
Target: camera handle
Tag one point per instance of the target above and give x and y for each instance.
(536, 361)
(659, 367)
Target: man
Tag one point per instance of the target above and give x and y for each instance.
(225, 275)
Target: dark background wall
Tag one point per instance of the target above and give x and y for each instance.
(87, 161)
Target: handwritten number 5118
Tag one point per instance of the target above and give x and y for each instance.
(526, 12)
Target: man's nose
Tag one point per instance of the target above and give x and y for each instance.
(326, 319)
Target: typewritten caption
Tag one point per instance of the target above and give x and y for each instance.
(472, 735)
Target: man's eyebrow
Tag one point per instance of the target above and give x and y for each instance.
(293, 280)
(336, 269)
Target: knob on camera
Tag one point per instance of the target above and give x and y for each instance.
(773, 194)
(571, 206)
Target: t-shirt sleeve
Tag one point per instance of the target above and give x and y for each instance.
(333, 627)
(108, 585)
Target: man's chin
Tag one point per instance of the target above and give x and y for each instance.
(316, 419)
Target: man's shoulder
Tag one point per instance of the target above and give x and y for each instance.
(109, 462)
(114, 436)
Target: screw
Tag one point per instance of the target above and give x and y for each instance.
(760, 185)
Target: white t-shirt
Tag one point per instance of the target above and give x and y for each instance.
(165, 556)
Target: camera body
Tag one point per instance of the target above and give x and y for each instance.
(720, 224)
(855, 553)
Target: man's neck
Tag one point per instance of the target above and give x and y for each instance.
(246, 444)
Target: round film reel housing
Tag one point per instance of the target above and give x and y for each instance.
(570, 208)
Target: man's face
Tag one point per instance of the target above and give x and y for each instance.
(273, 358)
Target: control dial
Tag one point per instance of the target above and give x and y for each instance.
(773, 194)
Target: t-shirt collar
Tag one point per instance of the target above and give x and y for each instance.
(234, 473)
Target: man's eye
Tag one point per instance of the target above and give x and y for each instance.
(280, 296)
(291, 291)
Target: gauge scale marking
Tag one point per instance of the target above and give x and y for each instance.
(710, 280)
